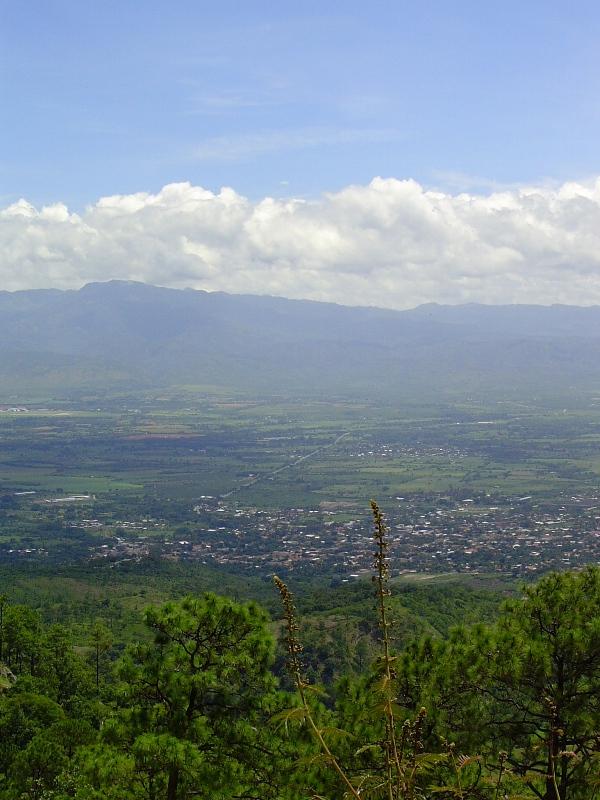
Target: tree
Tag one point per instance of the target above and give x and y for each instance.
(21, 637)
(101, 642)
(194, 700)
(3, 602)
(546, 670)
(529, 686)
(22, 717)
(60, 672)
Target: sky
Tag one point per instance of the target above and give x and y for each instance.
(389, 153)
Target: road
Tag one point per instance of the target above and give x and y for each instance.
(265, 476)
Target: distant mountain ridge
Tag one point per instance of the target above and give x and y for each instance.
(125, 335)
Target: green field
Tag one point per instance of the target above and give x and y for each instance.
(278, 454)
(156, 457)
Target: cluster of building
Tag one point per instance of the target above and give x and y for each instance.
(427, 534)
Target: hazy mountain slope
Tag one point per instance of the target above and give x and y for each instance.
(128, 335)
(516, 320)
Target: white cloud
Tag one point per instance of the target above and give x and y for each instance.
(391, 243)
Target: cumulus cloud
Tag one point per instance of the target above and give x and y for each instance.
(390, 243)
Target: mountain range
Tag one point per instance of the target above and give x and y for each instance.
(127, 336)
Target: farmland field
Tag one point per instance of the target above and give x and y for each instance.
(188, 476)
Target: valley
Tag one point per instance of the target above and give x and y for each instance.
(254, 485)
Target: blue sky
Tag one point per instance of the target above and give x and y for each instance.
(382, 153)
(294, 98)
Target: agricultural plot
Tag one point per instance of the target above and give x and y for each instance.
(262, 484)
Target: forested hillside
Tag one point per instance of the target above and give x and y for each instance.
(202, 705)
(124, 336)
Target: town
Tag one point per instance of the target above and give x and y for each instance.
(428, 534)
